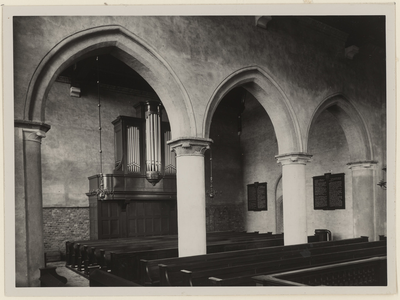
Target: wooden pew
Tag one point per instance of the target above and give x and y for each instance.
(241, 275)
(99, 277)
(171, 273)
(365, 272)
(102, 257)
(102, 278)
(71, 246)
(150, 273)
(126, 264)
(77, 252)
(170, 268)
(50, 278)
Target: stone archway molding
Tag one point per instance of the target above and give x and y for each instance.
(129, 48)
(352, 123)
(271, 96)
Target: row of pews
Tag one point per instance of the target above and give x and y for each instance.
(232, 259)
(362, 272)
(121, 257)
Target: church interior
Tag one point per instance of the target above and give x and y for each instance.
(207, 148)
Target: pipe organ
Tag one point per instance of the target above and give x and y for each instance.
(140, 194)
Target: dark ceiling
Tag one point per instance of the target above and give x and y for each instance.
(361, 30)
(109, 70)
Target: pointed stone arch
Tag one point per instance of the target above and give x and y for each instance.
(129, 48)
(357, 135)
(265, 89)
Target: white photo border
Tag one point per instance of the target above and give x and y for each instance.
(266, 9)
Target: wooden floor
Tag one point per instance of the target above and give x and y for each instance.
(74, 279)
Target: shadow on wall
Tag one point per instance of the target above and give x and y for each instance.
(224, 218)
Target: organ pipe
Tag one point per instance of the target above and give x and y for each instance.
(153, 142)
(133, 150)
(159, 145)
(170, 162)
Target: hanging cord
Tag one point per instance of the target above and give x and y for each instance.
(101, 193)
(99, 106)
(241, 110)
(211, 194)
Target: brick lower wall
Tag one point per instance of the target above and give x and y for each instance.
(61, 224)
(224, 218)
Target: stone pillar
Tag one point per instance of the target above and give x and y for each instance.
(191, 194)
(294, 197)
(363, 185)
(29, 249)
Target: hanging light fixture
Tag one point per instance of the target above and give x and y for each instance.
(154, 168)
(101, 192)
(212, 193)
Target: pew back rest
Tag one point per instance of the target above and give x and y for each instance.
(129, 268)
(103, 278)
(370, 271)
(171, 267)
(50, 278)
(172, 271)
(278, 254)
(126, 265)
(200, 277)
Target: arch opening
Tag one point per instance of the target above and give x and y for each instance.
(243, 153)
(272, 98)
(352, 124)
(128, 48)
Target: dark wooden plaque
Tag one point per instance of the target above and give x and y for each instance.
(329, 191)
(320, 193)
(252, 197)
(257, 196)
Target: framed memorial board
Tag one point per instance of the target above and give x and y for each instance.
(257, 196)
(329, 191)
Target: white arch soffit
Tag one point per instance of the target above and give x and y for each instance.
(277, 184)
(341, 101)
(85, 41)
(257, 75)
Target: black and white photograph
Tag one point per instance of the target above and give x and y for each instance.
(199, 150)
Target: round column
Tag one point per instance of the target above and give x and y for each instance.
(294, 197)
(28, 202)
(363, 185)
(191, 194)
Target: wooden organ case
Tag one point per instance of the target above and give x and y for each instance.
(135, 202)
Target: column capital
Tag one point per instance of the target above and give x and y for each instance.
(33, 135)
(362, 165)
(32, 125)
(293, 158)
(190, 146)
